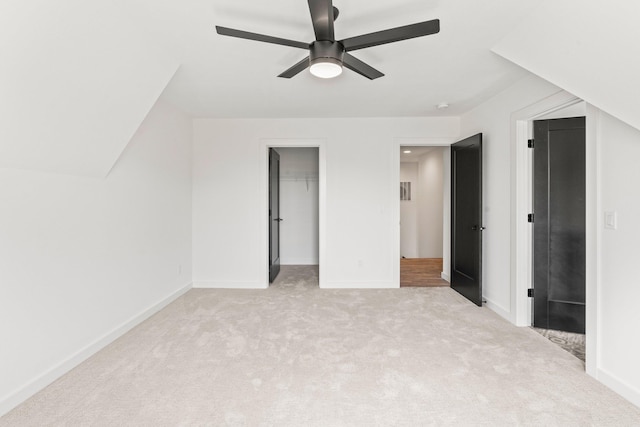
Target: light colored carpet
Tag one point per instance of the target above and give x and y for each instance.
(297, 355)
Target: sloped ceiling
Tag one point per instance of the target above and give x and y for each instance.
(589, 48)
(78, 78)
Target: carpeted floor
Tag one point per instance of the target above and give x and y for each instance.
(297, 355)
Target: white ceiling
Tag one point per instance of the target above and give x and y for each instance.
(79, 77)
(415, 154)
(227, 77)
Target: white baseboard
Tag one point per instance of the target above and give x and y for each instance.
(228, 284)
(629, 392)
(359, 285)
(445, 276)
(15, 398)
(501, 311)
(299, 261)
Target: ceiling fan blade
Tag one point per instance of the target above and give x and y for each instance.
(299, 67)
(322, 18)
(260, 37)
(354, 64)
(392, 35)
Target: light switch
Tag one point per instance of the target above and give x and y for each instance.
(611, 220)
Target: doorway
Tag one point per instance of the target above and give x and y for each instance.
(559, 105)
(423, 187)
(559, 231)
(294, 219)
(559, 235)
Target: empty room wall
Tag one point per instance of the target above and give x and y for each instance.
(618, 147)
(299, 205)
(409, 214)
(552, 43)
(430, 203)
(361, 196)
(84, 258)
(619, 286)
(493, 120)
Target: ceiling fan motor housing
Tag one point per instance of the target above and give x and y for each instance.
(328, 56)
(326, 51)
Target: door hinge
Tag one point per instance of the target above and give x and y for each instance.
(530, 217)
(530, 292)
(530, 143)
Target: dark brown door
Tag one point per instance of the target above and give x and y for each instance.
(466, 218)
(274, 214)
(559, 224)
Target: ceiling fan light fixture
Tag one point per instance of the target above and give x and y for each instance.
(326, 68)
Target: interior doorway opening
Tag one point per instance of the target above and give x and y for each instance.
(294, 219)
(558, 227)
(424, 198)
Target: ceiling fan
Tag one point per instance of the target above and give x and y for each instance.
(327, 55)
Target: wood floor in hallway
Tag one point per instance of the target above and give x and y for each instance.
(421, 272)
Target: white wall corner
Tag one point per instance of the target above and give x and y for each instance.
(629, 392)
(594, 218)
(552, 43)
(12, 400)
(498, 309)
(140, 119)
(95, 90)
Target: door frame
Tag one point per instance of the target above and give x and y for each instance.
(263, 167)
(521, 205)
(395, 203)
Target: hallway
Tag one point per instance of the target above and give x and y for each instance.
(421, 272)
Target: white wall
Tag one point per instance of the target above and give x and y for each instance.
(615, 355)
(409, 215)
(493, 120)
(299, 244)
(362, 212)
(421, 218)
(430, 203)
(559, 41)
(83, 259)
(619, 284)
(74, 72)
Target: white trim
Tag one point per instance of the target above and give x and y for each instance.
(262, 218)
(594, 218)
(228, 284)
(445, 276)
(361, 285)
(624, 389)
(393, 195)
(521, 199)
(497, 308)
(15, 398)
(299, 261)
